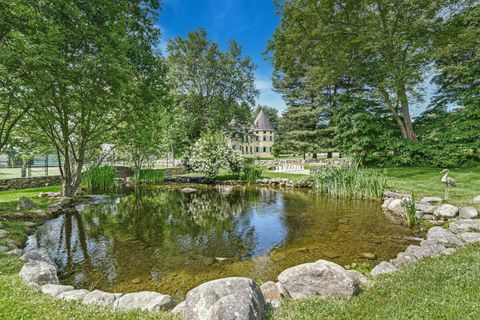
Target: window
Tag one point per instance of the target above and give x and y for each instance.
(264, 138)
(271, 138)
(256, 149)
(264, 149)
(264, 132)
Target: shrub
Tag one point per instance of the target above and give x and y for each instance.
(349, 181)
(210, 154)
(101, 178)
(148, 176)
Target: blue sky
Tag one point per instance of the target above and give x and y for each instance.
(249, 22)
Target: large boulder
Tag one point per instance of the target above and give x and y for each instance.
(145, 301)
(444, 237)
(39, 254)
(321, 278)
(225, 299)
(25, 204)
(101, 298)
(468, 213)
(446, 211)
(179, 308)
(382, 268)
(39, 272)
(465, 225)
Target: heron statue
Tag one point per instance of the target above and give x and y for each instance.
(448, 181)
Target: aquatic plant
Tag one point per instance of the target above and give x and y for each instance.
(410, 211)
(101, 178)
(251, 172)
(349, 180)
(148, 176)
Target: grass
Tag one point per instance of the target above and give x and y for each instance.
(349, 181)
(17, 301)
(438, 288)
(100, 178)
(410, 213)
(148, 176)
(425, 182)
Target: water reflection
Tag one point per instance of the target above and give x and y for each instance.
(165, 240)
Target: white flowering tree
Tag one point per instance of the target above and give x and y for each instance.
(210, 154)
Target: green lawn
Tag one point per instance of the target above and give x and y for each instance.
(439, 288)
(426, 182)
(6, 173)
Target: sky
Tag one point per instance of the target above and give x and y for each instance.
(250, 22)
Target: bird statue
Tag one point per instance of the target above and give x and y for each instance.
(448, 181)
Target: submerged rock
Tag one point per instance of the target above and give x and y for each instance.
(39, 272)
(225, 299)
(145, 301)
(468, 213)
(368, 255)
(382, 268)
(321, 278)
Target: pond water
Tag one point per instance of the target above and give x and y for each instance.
(164, 240)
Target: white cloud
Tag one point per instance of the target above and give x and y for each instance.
(267, 95)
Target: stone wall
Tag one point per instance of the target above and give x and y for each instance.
(31, 182)
(125, 172)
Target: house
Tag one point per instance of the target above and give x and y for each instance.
(258, 140)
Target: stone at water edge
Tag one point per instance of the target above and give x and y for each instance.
(24, 204)
(188, 190)
(446, 211)
(321, 278)
(15, 252)
(386, 203)
(224, 299)
(383, 267)
(39, 272)
(360, 277)
(435, 200)
(468, 213)
(39, 254)
(444, 237)
(100, 298)
(470, 237)
(4, 248)
(465, 225)
(396, 206)
(145, 301)
(425, 208)
(3, 233)
(272, 293)
(73, 295)
(403, 258)
(55, 289)
(421, 252)
(476, 199)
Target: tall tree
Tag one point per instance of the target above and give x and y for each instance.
(100, 53)
(211, 86)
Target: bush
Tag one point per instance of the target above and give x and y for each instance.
(349, 181)
(102, 178)
(210, 154)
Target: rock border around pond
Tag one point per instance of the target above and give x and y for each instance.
(243, 298)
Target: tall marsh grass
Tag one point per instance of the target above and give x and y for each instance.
(349, 181)
(410, 212)
(148, 176)
(251, 172)
(101, 178)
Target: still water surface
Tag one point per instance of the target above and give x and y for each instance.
(164, 240)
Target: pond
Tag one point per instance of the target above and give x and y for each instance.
(165, 240)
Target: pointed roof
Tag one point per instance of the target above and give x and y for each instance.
(262, 122)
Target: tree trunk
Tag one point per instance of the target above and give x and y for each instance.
(329, 155)
(314, 155)
(409, 133)
(23, 170)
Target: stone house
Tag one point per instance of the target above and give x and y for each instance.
(258, 140)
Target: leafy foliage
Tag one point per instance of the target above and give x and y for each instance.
(251, 171)
(148, 176)
(100, 178)
(210, 154)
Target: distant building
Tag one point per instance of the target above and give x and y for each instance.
(258, 139)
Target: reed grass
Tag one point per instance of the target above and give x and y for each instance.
(148, 176)
(410, 212)
(100, 178)
(349, 181)
(251, 172)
